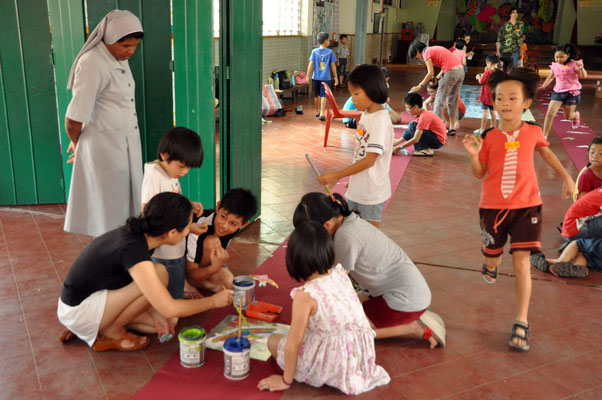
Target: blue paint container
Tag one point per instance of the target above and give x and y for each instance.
(237, 358)
(244, 288)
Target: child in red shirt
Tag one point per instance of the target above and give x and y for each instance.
(486, 103)
(510, 202)
(590, 177)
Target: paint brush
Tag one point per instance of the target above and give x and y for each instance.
(240, 320)
(313, 166)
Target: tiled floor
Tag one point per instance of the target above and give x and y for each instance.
(432, 216)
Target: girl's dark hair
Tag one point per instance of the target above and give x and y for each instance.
(413, 99)
(182, 144)
(596, 140)
(309, 250)
(164, 212)
(316, 206)
(433, 83)
(133, 35)
(568, 49)
(526, 76)
(507, 61)
(415, 47)
(372, 81)
(460, 44)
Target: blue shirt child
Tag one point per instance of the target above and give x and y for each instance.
(322, 59)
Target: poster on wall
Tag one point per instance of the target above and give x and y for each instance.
(326, 19)
(483, 18)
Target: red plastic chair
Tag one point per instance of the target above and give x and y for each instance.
(334, 112)
(532, 60)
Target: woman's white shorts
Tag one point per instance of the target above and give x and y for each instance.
(84, 319)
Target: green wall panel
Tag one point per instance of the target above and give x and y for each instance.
(193, 60)
(241, 55)
(7, 178)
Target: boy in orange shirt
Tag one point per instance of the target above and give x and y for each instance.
(510, 202)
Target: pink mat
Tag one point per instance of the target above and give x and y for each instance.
(208, 381)
(574, 141)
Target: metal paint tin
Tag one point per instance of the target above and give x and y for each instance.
(244, 287)
(192, 346)
(237, 358)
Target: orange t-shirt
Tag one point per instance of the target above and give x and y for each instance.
(493, 154)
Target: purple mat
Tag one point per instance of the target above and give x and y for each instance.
(574, 141)
(208, 381)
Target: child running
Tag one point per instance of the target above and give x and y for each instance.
(330, 341)
(567, 90)
(510, 201)
(369, 183)
(486, 102)
(179, 150)
(398, 294)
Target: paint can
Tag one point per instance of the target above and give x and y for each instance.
(244, 288)
(237, 358)
(192, 346)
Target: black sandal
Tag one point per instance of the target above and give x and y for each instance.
(451, 132)
(569, 270)
(486, 272)
(538, 260)
(524, 336)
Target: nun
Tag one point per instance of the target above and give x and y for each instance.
(103, 127)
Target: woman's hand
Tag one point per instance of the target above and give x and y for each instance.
(222, 298)
(71, 149)
(272, 383)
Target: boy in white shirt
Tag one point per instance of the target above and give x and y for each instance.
(179, 150)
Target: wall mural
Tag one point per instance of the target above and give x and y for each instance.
(484, 17)
(326, 19)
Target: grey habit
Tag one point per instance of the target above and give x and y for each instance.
(107, 172)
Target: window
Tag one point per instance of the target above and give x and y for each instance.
(280, 17)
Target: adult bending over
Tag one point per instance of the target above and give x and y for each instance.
(113, 285)
(102, 125)
(450, 84)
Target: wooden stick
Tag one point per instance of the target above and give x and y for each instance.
(240, 319)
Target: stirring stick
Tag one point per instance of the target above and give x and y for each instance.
(313, 166)
(240, 320)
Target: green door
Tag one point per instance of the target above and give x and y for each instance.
(30, 162)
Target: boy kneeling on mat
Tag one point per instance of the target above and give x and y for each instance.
(207, 253)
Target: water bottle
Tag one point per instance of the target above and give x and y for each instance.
(276, 82)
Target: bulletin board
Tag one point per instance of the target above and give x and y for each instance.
(326, 19)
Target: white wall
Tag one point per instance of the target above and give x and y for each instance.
(347, 16)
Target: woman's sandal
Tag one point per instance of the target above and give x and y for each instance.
(104, 343)
(485, 272)
(569, 270)
(524, 336)
(433, 326)
(539, 261)
(423, 153)
(67, 336)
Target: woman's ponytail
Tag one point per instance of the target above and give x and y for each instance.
(164, 212)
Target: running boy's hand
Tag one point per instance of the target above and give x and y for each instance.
(272, 383)
(197, 208)
(222, 298)
(219, 257)
(472, 144)
(328, 178)
(568, 188)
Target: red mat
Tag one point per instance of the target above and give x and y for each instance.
(574, 141)
(208, 381)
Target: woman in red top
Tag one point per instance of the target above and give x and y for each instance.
(450, 84)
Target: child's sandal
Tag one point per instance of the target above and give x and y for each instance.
(524, 336)
(488, 273)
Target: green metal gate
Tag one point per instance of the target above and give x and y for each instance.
(30, 162)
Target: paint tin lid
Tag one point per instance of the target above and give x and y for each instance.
(233, 345)
(244, 281)
(192, 333)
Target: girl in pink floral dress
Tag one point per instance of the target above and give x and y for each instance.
(330, 341)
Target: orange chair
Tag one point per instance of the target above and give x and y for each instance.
(334, 112)
(532, 60)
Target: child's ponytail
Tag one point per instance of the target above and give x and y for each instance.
(319, 207)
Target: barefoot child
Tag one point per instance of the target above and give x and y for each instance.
(567, 90)
(322, 63)
(330, 341)
(179, 150)
(398, 294)
(426, 134)
(486, 102)
(207, 252)
(113, 285)
(369, 183)
(510, 201)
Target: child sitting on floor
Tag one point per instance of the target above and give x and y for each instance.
(590, 177)
(207, 253)
(330, 341)
(575, 260)
(369, 183)
(510, 201)
(485, 98)
(427, 134)
(179, 150)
